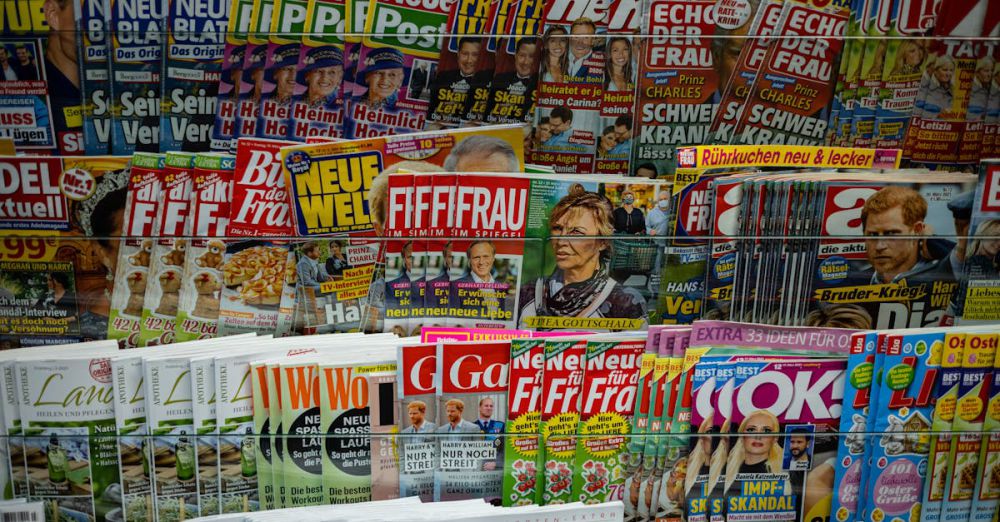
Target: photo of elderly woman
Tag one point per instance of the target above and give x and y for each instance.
(579, 282)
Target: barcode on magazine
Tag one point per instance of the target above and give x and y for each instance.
(26, 513)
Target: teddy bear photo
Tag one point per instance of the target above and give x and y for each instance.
(207, 304)
(212, 258)
(141, 258)
(136, 282)
(176, 255)
(170, 283)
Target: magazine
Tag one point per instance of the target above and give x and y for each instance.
(230, 75)
(680, 78)
(453, 88)
(135, 253)
(199, 300)
(13, 471)
(58, 289)
(263, 441)
(571, 85)
(499, 18)
(166, 265)
(288, 22)
(905, 62)
(418, 456)
(608, 403)
(252, 71)
(387, 97)
(68, 419)
(944, 99)
(349, 464)
(254, 270)
(133, 445)
(192, 72)
(871, 71)
(354, 213)
(773, 113)
(971, 400)
(798, 458)
(206, 432)
(857, 405)
(383, 418)
(942, 419)
(301, 469)
(41, 88)
(96, 86)
(522, 473)
(238, 447)
(169, 410)
(987, 490)
(903, 417)
(560, 416)
(616, 288)
(767, 20)
(472, 414)
(136, 64)
(850, 272)
(513, 89)
(320, 97)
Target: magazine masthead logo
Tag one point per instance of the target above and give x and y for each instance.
(526, 379)
(347, 390)
(799, 395)
(475, 368)
(259, 192)
(31, 192)
(421, 361)
(53, 394)
(199, 21)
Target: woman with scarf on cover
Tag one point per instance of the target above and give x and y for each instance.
(581, 284)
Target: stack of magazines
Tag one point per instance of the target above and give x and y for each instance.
(431, 229)
(715, 420)
(124, 76)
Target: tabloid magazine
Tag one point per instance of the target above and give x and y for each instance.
(501, 16)
(230, 76)
(788, 101)
(680, 78)
(138, 28)
(56, 286)
(251, 80)
(454, 87)
(318, 105)
(288, 22)
(472, 416)
(192, 72)
(199, 300)
(765, 20)
(513, 88)
(166, 265)
(951, 91)
(400, 39)
(95, 86)
(418, 409)
(41, 80)
(256, 269)
(571, 83)
(851, 273)
(135, 253)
